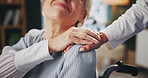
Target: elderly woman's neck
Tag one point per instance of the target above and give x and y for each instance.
(54, 29)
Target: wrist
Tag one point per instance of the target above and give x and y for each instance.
(49, 47)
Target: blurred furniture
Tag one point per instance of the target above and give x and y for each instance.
(120, 68)
(142, 49)
(113, 55)
(130, 56)
(19, 25)
(33, 14)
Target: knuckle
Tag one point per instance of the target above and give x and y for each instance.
(77, 41)
(69, 37)
(87, 30)
(73, 29)
(70, 33)
(82, 41)
(84, 35)
(88, 47)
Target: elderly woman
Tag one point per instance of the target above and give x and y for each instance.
(40, 53)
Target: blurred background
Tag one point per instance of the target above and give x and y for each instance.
(17, 17)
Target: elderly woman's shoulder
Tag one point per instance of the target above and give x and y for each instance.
(35, 32)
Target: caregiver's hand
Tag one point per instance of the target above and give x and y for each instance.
(88, 47)
(73, 35)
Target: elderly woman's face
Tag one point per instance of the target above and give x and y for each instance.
(67, 12)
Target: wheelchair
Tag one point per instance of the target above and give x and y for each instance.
(121, 68)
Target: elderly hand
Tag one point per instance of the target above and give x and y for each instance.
(74, 35)
(88, 47)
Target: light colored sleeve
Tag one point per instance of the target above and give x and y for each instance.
(18, 59)
(16, 64)
(129, 24)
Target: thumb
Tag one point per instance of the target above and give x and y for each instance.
(84, 48)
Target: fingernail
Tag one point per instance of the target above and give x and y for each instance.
(81, 49)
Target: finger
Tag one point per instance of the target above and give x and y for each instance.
(87, 31)
(99, 38)
(85, 42)
(84, 48)
(88, 47)
(66, 50)
(84, 36)
(80, 41)
(69, 47)
(92, 33)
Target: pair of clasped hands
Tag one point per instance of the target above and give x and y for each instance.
(77, 35)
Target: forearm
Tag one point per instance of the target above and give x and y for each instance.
(132, 22)
(17, 63)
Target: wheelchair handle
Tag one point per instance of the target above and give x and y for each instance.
(128, 69)
(121, 68)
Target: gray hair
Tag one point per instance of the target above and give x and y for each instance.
(88, 4)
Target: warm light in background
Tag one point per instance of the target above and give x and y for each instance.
(116, 2)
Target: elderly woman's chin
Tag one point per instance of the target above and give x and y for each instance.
(58, 13)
